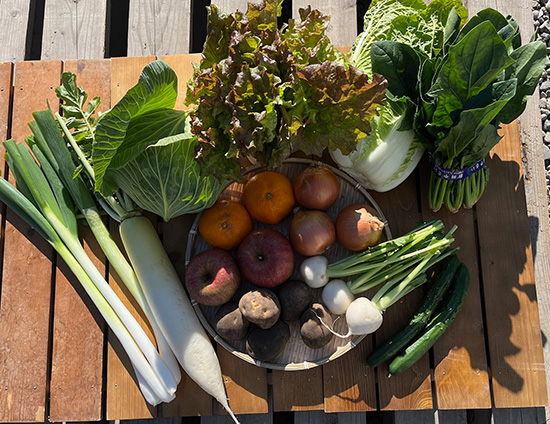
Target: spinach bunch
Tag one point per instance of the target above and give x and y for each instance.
(480, 77)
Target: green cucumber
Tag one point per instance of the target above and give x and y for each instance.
(395, 344)
(437, 327)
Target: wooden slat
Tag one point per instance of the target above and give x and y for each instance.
(515, 345)
(230, 6)
(159, 27)
(77, 359)
(412, 389)
(183, 67)
(298, 390)
(342, 28)
(74, 29)
(348, 384)
(461, 376)
(14, 21)
(124, 400)
(27, 275)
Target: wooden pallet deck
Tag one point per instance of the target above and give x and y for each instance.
(58, 362)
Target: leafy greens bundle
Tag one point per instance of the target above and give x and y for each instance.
(261, 93)
(389, 154)
(475, 78)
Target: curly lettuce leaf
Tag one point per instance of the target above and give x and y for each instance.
(343, 101)
(260, 102)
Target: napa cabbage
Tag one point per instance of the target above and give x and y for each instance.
(392, 150)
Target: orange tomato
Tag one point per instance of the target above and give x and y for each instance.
(269, 197)
(225, 224)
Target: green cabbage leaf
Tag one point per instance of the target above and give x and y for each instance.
(145, 147)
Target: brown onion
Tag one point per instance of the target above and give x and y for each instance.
(357, 227)
(311, 232)
(316, 187)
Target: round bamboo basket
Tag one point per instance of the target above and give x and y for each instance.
(296, 355)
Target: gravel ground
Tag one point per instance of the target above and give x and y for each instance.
(541, 18)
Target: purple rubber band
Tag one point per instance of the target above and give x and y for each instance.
(455, 174)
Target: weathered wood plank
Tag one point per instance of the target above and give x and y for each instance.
(14, 21)
(298, 390)
(159, 27)
(25, 312)
(230, 6)
(342, 28)
(74, 29)
(348, 384)
(515, 345)
(412, 389)
(77, 359)
(461, 377)
(183, 66)
(124, 400)
(534, 171)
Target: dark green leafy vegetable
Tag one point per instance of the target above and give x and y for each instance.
(261, 93)
(478, 78)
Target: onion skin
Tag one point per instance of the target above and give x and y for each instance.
(311, 232)
(357, 227)
(317, 187)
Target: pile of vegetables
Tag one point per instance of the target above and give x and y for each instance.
(254, 297)
(261, 93)
(451, 83)
(120, 160)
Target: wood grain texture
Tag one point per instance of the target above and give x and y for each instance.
(77, 360)
(246, 384)
(25, 306)
(348, 384)
(230, 6)
(461, 374)
(412, 389)
(534, 171)
(183, 67)
(14, 21)
(159, 27)
(298, 390)
(342, 28)
(74, 29)
(515, 345)
(78, 337)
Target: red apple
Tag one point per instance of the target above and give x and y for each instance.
(212, 277)
(265, 258)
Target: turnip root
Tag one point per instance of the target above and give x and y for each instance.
(314, 271)
(337, 297)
